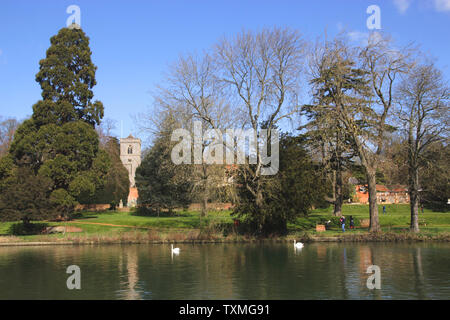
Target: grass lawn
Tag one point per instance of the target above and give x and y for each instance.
(180, 220)
(113, 223)
(396, 219)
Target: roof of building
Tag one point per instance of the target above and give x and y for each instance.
(398, 188)
(383, 188)
(130, 137)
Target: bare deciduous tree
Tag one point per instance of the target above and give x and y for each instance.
(190, 93)
(250, 81)
(384, 66)
(424, 99)
(260, 75)
(7, 129)
(105, 130)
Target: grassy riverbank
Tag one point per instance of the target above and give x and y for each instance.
(187, 226)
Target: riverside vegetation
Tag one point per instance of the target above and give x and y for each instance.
(186, 226)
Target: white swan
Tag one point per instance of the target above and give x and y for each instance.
(175, 250)
(298, 245)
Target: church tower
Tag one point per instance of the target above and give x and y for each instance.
(130, 155)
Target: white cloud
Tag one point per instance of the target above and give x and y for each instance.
(358, 36)
(363, 38)
(402, 5)
(442, 5)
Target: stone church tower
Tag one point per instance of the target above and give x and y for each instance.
(130, 155)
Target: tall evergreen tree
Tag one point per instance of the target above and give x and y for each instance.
(327, 138)
(59, 141)
(351, 87)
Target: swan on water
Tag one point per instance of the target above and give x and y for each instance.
(298, 245)
(175, 250)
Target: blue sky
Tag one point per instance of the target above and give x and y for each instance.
(134, 41)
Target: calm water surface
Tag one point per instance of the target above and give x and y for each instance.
(227, 271)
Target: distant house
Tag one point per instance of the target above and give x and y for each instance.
(385, 194)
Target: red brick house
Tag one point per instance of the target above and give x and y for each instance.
(388, 195)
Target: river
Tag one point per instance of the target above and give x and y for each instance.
(227, 271)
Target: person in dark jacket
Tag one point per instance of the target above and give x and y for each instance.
(352, 223)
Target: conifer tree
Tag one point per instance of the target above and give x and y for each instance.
(59, 141)
(161, 183)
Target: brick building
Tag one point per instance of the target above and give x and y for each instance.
(385, 194)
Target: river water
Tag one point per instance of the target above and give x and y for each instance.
(227, 271)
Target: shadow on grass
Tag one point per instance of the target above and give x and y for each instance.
(83, 217)
(21, 229)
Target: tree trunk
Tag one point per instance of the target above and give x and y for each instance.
(26, 223)
(338, 191)
(204, 212)
(373, 206)
(259, 205)
(413, 178)
(414, 199)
